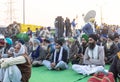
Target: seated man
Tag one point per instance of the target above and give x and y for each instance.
(16, 68)
(59, 58)
(93, 58)
(115, 66)
(74, 49)
(38, 54)
(111, 49)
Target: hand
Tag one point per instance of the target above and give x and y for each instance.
(1, 60)
(75, 56)
(106, 58)
(81, 55)
(53, 65)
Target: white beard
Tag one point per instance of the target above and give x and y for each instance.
(20, 52)
(35, 47)
(44, 47)
(109, 44)
(16, 54)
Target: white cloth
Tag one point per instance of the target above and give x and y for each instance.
(12, 61)
(10, 74)
(87, 69)
(93, 54)
(61, 64)
(60, 54)
(2, 52)
(20, 52)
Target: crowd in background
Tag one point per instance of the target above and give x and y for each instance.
(88, 49)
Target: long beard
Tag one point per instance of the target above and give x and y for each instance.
(109, 44)
(17, 54)
(91, 46)
(84, 44)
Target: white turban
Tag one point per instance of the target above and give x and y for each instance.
(20, 52)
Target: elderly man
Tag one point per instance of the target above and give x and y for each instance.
(38, 54)
(16, 68)
(93, 58)
(2, 45)
(111, 49)
(59, 58)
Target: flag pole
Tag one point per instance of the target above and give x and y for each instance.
(23, 11)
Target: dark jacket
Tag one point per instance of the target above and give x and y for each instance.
(64, 56)
(39, 54)
(113, 67)
(87, 29)
(110, 53)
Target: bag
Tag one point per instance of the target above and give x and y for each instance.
(101, 77)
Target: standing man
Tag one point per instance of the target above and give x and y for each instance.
(68, 32)
(59, 25)
(29, 32)
(89, 28)
(74, 26)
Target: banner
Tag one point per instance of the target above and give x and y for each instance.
(24, 27)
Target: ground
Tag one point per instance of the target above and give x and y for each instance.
(42, 74)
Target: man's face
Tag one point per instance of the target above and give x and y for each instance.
(84, 41)
(57, 46)
(35, 45)
(116, 40)
(91, 43)
(17, 48)
(109, 41)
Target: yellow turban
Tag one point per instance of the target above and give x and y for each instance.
(92, 19)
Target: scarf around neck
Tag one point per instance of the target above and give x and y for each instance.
(93, 54)
(60, 55)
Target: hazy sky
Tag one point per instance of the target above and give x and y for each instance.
(44, 12)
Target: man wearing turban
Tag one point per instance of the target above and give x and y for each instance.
(89, 28)
(93, 59)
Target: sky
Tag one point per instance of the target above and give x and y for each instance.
(44, 12)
